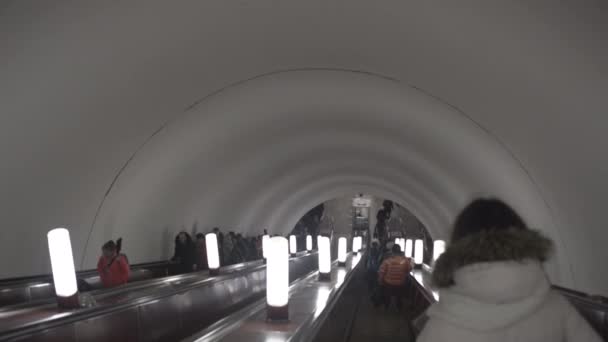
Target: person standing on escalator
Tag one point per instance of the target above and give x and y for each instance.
(492, 285)
(184, 256)
(113, 267)
(201, 252)
(392, 276)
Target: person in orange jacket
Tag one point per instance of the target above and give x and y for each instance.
(113, 267)
(393, 275)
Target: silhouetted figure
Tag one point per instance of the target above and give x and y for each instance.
(201, 252)
(185, 253)
(374, 259)
(380, 231)
(493, 287)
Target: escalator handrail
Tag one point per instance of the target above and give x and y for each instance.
(86, 313)
(48, 278)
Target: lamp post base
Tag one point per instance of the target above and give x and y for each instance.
(71, 302)
(277, 313)
(324, 277)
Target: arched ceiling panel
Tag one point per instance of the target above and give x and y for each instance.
(85, 85)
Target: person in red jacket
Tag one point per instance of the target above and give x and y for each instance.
(113, 267)
(393, 275)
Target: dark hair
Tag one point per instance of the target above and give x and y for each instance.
(113, 246)
(188, 238)
(200, 236)
(486, 214)
(396, 249)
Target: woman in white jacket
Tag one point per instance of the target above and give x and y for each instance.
(493, 287)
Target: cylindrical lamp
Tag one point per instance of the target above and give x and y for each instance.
(418, 252)
(62, 264)
(309, 243)
(324, 258)
(342, 251)
(213, 254)
(408, 248)
(357, 240)
(277, 279)
(293, 245)
(438, 249)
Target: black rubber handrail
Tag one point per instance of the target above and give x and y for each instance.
(87, 313)
(6, 282)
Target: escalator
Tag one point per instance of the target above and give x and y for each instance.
(15, 291)
(155, 310)
(355, 319)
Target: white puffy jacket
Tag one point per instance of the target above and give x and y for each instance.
(504, 302)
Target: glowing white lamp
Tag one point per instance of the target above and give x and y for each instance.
(342, 251)
(309, 243)
(293, 245)
(357, 240)
(438, 249)
(265, 240)
(213, 254)
(418, 252)
(408, 248)
(324, 257)
(62, 264)
(277, 279)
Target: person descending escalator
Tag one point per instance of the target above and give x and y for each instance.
(392, 276)
(374, 259)
(380, 231)
(113, 267)
(184, 256)
(492, 285)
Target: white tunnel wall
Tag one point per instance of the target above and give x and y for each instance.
(318, 134)
(85, 86)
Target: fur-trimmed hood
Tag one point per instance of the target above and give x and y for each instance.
(490, 246)
(492, 280)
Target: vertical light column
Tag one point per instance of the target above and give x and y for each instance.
(309, 243)
(277, 279)
(438, 249)
(213, 254)
(342, 251)
(418, 252)
(324, 258)
(357, 241)
(293, 245)
(408, 248)
(62, 265)
(265, 240)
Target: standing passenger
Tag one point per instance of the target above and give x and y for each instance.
(374, 259)
(227, 247)
(113, 267)
(493, 287)
(392, 276)
(185, 253)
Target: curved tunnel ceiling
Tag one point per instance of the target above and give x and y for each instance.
(87, 86)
